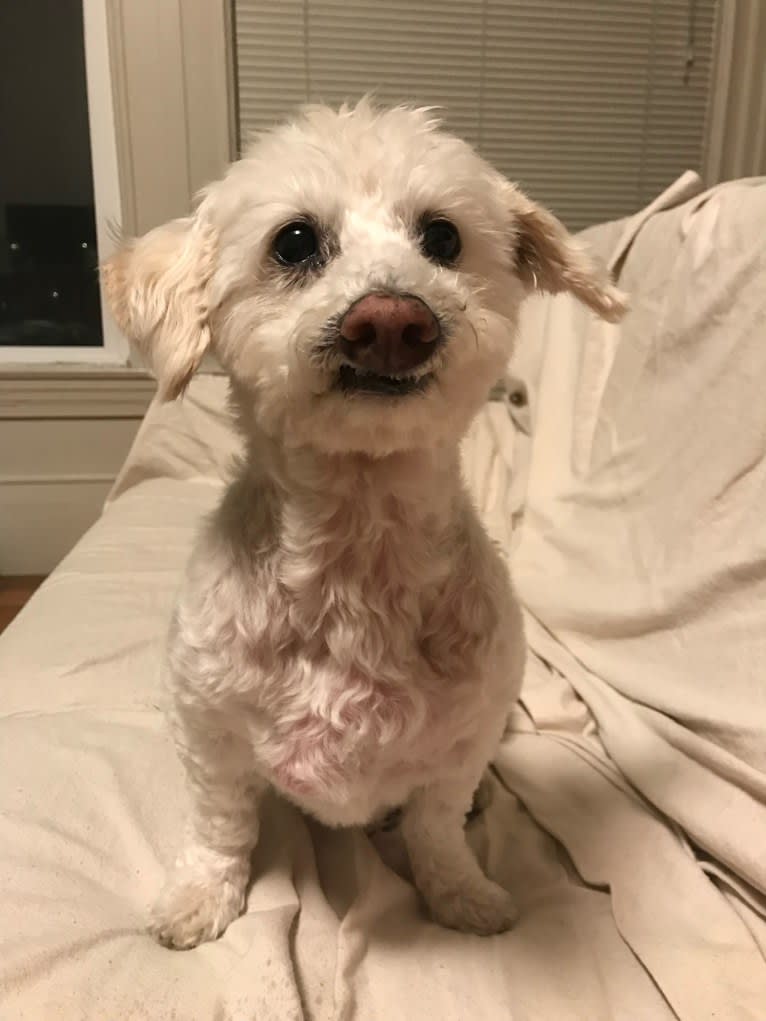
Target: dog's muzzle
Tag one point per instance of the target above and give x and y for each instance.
(384, 339)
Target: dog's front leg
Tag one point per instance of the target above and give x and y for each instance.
(445, 870)
(205, 889)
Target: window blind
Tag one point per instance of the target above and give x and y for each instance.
(593, 106)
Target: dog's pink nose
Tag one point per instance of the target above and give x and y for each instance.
(388, 333)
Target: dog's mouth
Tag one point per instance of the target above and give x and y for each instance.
(358, 381)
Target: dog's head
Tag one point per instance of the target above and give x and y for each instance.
(358, 274)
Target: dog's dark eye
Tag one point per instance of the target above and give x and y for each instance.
(296, 243)
(441, 241)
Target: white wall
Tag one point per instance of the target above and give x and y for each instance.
(737, 115)
(62, 443)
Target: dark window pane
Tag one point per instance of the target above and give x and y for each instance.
(48, 258)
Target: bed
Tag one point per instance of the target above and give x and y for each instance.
(623, 471)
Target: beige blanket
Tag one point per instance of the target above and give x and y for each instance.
(629, 811)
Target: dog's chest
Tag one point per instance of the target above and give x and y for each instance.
(359, 653)
(356, 742)
(381, 676)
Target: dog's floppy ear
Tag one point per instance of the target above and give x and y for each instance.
(549, 259)
(157, 287)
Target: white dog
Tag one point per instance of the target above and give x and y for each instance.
(347, 632)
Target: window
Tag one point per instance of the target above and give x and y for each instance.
(593, 106)
(58, 181)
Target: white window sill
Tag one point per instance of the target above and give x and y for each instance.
(69, 390)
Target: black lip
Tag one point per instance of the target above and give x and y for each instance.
(354, 381)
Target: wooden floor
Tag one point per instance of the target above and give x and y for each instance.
(14, 592)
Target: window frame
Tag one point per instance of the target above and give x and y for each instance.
(143, 57)
(106, 194)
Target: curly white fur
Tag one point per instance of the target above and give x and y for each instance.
(347, 633)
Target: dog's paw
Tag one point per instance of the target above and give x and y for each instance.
(191, 910)
(485, 909)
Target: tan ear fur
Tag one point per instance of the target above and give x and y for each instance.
(549, 259)
(157, 288)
